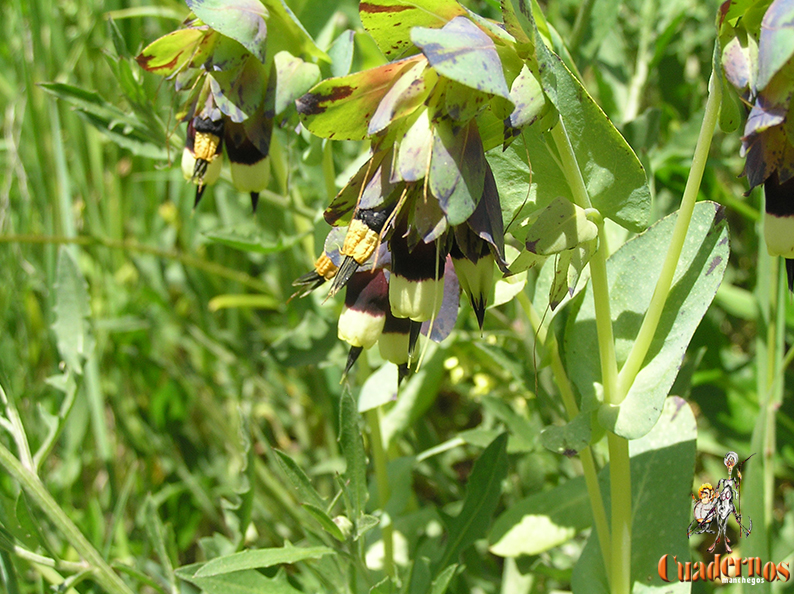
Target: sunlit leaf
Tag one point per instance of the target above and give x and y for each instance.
(169, 53)
(529, 100)
(289, 34)
(247, 581)
(242, 20)
(542, 521)
(698, 274)
(390, 21)
(341, 108)
(599, 148)
(463, 53)
(294, 77)
(380, 388)
(405, 96)
(661, 472)
(413, 156)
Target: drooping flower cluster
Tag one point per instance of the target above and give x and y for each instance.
(235, 89)
(422, 215)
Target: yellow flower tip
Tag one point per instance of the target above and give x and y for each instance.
(418, 300)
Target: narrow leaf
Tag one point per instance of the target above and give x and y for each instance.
(353, 451)
(256, 559)
(248, 581)
(325, 521)
(298, 478)
(482, 497)
(71, 310)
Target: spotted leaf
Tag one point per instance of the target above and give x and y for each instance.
(462, 52)
(171, 52)
(390, 21)
(341, 108)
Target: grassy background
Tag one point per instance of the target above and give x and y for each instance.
(183, 398)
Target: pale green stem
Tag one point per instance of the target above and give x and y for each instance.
(17, 431)
(380, 461)
(618, 571)
(642, 343)
(620, 493)
(43, 561)
(640, 76)
(549, 342)
(102, 573)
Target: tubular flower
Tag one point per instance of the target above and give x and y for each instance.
(393, 343)
(250, 166)
(475, 273)
(416, 287)
(201, 158)
(364, 313)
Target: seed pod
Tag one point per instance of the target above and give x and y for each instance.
(249, 166)
(363, 237)
(364, 313)
(201, 159)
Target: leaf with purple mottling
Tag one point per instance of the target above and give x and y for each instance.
(415, 147)
(239, 93)
(462, 52)
(405, 96)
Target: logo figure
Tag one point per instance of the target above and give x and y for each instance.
(713, 507)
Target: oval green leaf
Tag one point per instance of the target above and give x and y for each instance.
(632, 272)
